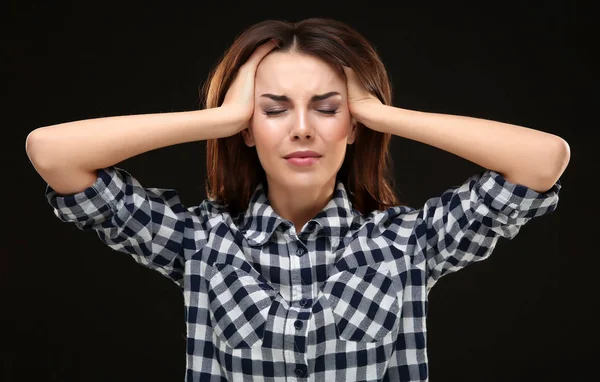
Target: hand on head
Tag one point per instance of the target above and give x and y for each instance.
(239, 98)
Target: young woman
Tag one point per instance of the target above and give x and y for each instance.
(302, 264)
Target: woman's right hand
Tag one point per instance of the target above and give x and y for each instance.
(239, 98)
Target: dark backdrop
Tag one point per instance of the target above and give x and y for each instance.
(74, 310)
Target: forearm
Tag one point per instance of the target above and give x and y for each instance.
(525, 156)
(98, 143)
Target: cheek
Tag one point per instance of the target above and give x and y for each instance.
(266, 133)
(338, 128)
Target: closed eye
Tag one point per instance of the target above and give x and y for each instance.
(275, 112)
(332, 111)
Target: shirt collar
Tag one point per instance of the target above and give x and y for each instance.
(333, 221)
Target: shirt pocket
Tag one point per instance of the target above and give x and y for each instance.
(364, 302)
(239, 305)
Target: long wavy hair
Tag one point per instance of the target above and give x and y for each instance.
(234, 169)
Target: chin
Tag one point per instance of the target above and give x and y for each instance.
(306, 180)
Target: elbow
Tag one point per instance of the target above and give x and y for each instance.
(35, 151)
(561, 155)
(566, 152)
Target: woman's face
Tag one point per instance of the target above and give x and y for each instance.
(300, 103)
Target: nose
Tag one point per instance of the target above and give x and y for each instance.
(302, 128)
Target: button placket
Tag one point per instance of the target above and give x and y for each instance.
(295, 266)
(300, 371)
(304, 302)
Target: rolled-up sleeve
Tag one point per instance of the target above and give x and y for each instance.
(151, 224)
(463, 224)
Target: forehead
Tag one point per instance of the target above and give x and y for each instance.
(296, 74)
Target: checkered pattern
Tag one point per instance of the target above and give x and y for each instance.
(344, 299)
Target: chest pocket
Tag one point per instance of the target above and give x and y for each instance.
(364, 302)
(239, 305)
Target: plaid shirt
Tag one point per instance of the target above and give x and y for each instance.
(345, 299)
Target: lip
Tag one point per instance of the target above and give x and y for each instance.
(306, 161)
(303, 154)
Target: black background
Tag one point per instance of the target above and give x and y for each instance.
(74, 310)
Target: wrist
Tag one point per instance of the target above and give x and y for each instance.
(369, 114)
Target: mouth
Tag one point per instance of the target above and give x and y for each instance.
(302, 161)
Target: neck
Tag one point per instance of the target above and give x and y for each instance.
(299, 204)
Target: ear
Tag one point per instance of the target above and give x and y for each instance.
(352, 135)
(248, 137)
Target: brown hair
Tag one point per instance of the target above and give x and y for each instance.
(234, 169)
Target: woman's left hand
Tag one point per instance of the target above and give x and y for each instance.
(360, 101)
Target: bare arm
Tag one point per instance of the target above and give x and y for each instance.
(67, 155)
(524, 156)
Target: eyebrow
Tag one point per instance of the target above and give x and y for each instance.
(316, 97)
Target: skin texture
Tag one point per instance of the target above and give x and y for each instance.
(299, 193)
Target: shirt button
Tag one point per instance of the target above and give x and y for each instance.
(300, 251)
(298, 324)
(303, 302)
(300, 371)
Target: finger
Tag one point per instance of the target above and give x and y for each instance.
(261, 51)
(350, 75)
